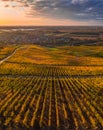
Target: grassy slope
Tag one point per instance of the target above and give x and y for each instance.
(35, 60)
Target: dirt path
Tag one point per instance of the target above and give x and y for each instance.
(3, 60)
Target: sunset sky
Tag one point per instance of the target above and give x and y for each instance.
(51, 12)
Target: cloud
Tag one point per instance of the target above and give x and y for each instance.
(80, 10)
(78, 1)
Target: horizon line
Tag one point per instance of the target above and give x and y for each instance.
(53, 25)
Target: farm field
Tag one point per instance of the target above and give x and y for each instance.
(43, 88)
(6, 51)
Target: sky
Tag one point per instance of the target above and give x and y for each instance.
(51, 12)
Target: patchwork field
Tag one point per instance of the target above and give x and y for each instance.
(44, 88)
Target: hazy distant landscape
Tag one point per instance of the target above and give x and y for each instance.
(52, 36)
(51, 78)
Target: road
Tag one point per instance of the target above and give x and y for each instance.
(3, 60)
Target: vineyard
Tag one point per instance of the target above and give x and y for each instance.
(6, 51)
(38, 92)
